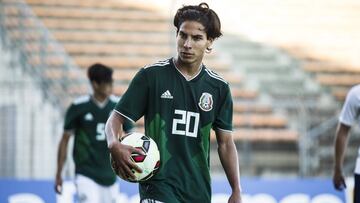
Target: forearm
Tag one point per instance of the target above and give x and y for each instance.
(339, 151)
(229, 160)
(113, 129)
(340, 145)
(62, 152)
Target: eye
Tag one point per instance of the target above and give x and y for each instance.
(197, 38)
(182, 35)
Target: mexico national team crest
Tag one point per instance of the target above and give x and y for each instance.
(206, 102)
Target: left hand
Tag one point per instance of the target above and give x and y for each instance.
(339, 180)
(235, 198)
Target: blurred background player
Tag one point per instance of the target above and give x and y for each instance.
(85, 118)
(349, 115)
(181, 100)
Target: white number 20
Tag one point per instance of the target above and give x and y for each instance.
(186, 117)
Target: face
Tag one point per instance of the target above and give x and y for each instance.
(103, 89)
(192, 42)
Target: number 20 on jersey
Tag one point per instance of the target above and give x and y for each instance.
(185, 120)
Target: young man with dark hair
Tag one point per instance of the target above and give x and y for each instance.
(85, 118)
(349, 115)
(181, 100)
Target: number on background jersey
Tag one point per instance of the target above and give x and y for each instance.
(100, 132)
(186, 118)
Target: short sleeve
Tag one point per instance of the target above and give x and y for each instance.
(133, 103)
(223, 120)
(128, 126)
(350, 110)
(70, 122)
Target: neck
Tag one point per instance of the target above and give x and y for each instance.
(99, 97)
(188, 69)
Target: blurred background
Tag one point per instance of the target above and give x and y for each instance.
(289, 63)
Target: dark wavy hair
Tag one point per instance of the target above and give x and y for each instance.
(202, 14)
(100, 73)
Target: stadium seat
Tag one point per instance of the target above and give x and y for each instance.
(96, 14)
(267, 135)
(258, 121)
(244, 93)
(252, 108)
(339, 79)
(327, 67)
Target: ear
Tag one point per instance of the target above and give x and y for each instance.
(209, 43)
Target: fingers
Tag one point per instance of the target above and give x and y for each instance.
(135, 167)
(58, 184)
(124, 170)
(58, 189)
(123, 164)
(339, 183)
(336, 184)
(121, 173)
(342, 184)
(136, 150)
(128, 172)
(131, 163)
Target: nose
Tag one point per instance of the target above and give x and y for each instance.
(187, 43)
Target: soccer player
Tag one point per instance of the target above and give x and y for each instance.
(348, 116)
(181, 100)
(86, 117)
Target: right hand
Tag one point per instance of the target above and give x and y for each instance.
(235, 197)
(122, 162)
(339, 180)
(58, 184)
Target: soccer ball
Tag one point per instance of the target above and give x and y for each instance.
(149, 162)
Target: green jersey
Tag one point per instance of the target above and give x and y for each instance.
(87, 120)
(179, 115)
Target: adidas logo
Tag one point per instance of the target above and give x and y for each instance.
(89, 117)
(166, 95)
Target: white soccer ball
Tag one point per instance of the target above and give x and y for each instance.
(149, 162)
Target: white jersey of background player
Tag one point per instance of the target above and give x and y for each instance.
(349, 115)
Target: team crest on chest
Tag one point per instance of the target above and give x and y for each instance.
(206, 102)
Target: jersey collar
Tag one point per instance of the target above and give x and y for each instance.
(188, 79)
(101, 105)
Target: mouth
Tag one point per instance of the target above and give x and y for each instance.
(186, 54)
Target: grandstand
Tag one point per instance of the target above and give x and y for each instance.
(285, 99)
